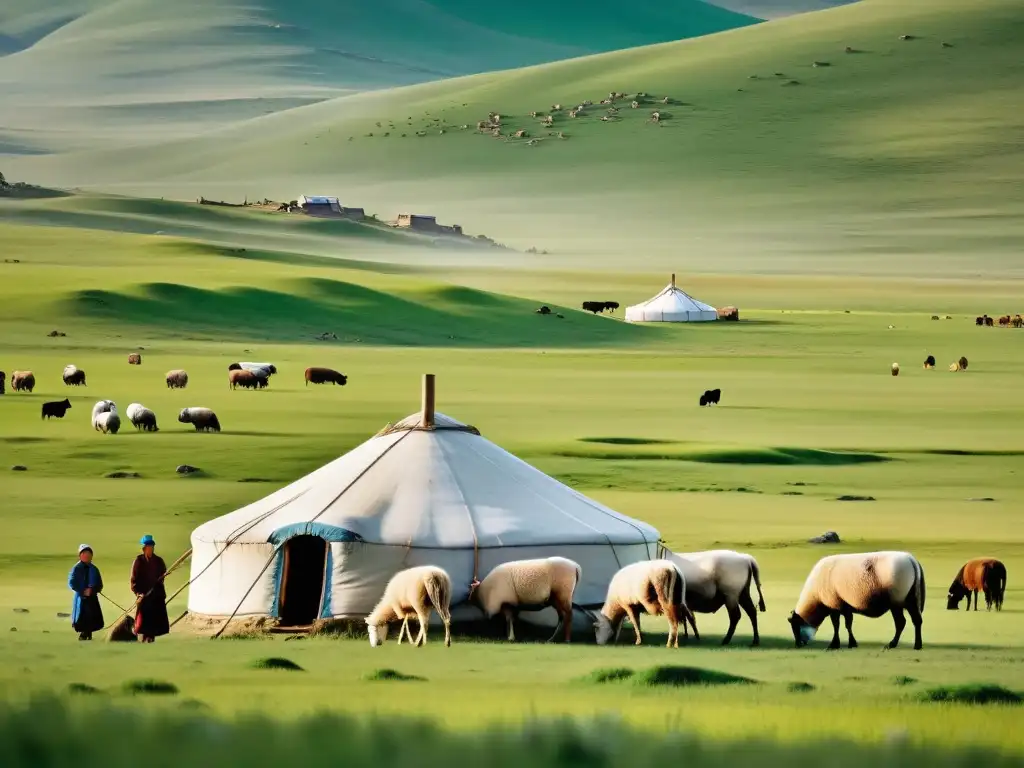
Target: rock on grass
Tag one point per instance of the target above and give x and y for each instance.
(972, 693)
(685, 676)
(392, 674)
(799, 687)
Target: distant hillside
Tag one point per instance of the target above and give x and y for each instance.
(774, 9)
(902, 154)
(77, 73)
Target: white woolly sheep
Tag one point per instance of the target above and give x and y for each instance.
(260, 369)
(655, 587)
(107, 422)
(141, 417)
(720, 577)
(413, 593)
(895, 369)
(529, 585)
(870, 584)
(103, 406)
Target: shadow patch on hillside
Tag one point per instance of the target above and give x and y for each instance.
(441, 316)
(806, 457)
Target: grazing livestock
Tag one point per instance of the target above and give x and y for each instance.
(716, 578)
(105, 418)
(134, 359)
(544, 310)
(870, 584)
(980, 320)
(895, 369)
(203, 419)
(266, 369)
(711, 397)
(1004, 321)
(244, 379)
(1017, 321)
(3, 379)
(55, 409)
(177, 379)
(325, 376)
(598, 307)
(989, 322)
(929, 362)
(23, 381)
(529, 585)
(73, 376)
(412, 593)
(962, 362)
(142, 418)
(983, 574)
(655, 587)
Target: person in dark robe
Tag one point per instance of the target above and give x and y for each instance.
(87, 583)
(148, 586)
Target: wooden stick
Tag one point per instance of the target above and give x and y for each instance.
(138, 600)
(428, 400)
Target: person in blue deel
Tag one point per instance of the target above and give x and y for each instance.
(87, 583)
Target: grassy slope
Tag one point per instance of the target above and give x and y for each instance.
(119, 70)
(904, 157)
(799, 381)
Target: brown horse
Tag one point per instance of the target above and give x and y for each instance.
(984, 574)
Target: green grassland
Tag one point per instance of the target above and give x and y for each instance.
(900, 158)
(809, 414)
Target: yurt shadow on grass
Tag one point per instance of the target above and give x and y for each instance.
(427, 490)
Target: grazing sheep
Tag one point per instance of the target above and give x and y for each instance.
(556, 107)
(655, 587)
(23, 381)
(142, 418)
(3, 379)
(543, 310)
(720, 577)
(895, 369)
(1004, 321)
(929, 362)
(268, 369)
(73, 376)
(244, 379)
(953, 367)
(177, 379)
(105, 418)
(325, 376)
(711, 397)
(962, 362)
(413, 593)
(529, 585)
(979, 320)
(989, 322)
(549, 120)
(520, 134)
(203, 419)
(870, 584)
(1017, 322)
(983, 573)
(55, 409)
(134, 359)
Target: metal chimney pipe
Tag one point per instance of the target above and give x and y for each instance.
(428, 400)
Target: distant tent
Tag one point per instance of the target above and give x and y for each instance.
(427, 490)
(672, 305)
(319, 205)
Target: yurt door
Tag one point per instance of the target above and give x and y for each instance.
(302, 583)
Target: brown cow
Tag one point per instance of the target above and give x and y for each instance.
(325, 376)
(244, 379)
(1004, 321)
(134, 359)
(985, 574)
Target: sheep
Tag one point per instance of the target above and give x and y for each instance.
(73, 376)
(929, 362)
(203, 419)
(55, 409)
(105, 418)
(549, 120)
(244, 379)
(177, 379)
(520, 134)
(720, 577)
(3, 379)
(142, 418)
(134, 359)
(867, 583)
(962, 362)
(269, 368)
(525, 585)
(412, 592)
(325, 376)
(954, 367)
(984, 573)
(895, 369)
(23, 381)
(635, 105)
(652, 586)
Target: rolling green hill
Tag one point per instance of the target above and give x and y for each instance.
(903, 155)
(123, 70)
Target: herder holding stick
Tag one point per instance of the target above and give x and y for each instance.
(148, 586)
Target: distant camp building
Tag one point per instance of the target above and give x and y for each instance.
(426, 224)
(671, 305)
(330, 207)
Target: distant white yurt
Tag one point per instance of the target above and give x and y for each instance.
(427, 490)
(671, 305)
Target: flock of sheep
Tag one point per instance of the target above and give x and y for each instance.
(107, 419)
(929, 363)
(838, 587)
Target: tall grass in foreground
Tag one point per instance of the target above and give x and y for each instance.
(48, 733)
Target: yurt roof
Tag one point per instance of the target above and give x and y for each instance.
(671, 298)
(429, 481)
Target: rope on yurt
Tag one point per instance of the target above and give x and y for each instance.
(258, 576)
(183, 615)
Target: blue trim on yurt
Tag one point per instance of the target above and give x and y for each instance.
(325, 599)
(275, 603)
(323, 530)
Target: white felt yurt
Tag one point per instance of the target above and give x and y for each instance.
(427, 490)
(671, 305)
